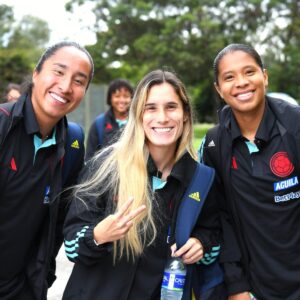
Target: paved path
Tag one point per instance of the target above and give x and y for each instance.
(63, 270)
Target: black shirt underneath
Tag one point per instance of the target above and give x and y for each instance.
(269, 219)
(24, 181)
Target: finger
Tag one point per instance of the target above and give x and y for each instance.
(128, 219)
(189, 248)
(122, 210)
(193, 259)
(182, 250)
(136, 212)
(195, 253)
(173, 249)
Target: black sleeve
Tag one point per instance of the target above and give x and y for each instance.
(230, 255)
(82, 217)
(92, 142)
(63, 199)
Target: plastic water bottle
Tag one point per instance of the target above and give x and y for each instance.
(174, 279)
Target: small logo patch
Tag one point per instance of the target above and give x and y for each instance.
(75, 144)
(108, 126)
(285, 184)
(13, 164)
(281, 165)
(234, 163)
(195, 196)
(287, 197)
(211, 144)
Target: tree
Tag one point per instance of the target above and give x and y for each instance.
(134, 37)
(21, 45)
(6, 21)
(284, 70)
(29, 32)
(14, 67)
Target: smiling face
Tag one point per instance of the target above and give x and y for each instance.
(120, 101)
(163, 118)
(13, 95)
(242, 83)
(60, 85)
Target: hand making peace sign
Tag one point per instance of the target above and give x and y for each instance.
(115, 226)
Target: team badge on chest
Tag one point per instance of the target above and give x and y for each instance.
(281, 165)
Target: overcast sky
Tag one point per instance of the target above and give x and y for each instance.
(63, 25)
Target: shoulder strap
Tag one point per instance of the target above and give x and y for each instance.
(5, 109)
(73, 149)
(192, 203)
(100, 125)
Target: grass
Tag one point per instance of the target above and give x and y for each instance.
(199, 132)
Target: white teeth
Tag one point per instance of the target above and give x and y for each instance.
(165, 129)
(58, 98)
(244, 96)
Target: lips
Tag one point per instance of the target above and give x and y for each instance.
(162, 129)
(244, 95)
(58, 98)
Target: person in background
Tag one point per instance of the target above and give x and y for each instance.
(32, 137)
(103, 133)
(12, 92)
(255, 151)
(122, 219)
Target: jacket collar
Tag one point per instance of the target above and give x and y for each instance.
(266, 129)
(24, 110)
(182, 171)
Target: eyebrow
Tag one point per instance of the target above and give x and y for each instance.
(166, 103)
(81, 74)
(244, 67)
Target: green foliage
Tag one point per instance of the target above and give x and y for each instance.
(185, 35)
(199, 132)
(201, 129)
(20, 46)
(31, 31)
(6, 21)
(14, 66)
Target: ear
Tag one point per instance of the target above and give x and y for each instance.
(218, 89)
(185, 117)
(266, 78)
(34, 75)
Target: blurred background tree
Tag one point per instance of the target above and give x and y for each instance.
(136, 36)
(21, 44)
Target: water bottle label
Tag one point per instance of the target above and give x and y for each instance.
(173, 281)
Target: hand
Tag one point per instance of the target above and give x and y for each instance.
(191, 251)
(240, 296)
(115, 226)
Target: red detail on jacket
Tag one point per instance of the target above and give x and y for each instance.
(13, 165)
(108, 126)
(234, 163)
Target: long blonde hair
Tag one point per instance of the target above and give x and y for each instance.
(123, 172)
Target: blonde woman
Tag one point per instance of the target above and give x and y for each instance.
(125, 209)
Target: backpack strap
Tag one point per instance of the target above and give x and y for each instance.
(192, 203)
(189, 210)
(100, 125)
(73, 148)
(5, 109)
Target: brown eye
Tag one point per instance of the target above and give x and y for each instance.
(228, 77)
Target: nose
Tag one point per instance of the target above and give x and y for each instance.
(241, 80)
(123, 99)
(162, 115)
(65, 84)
